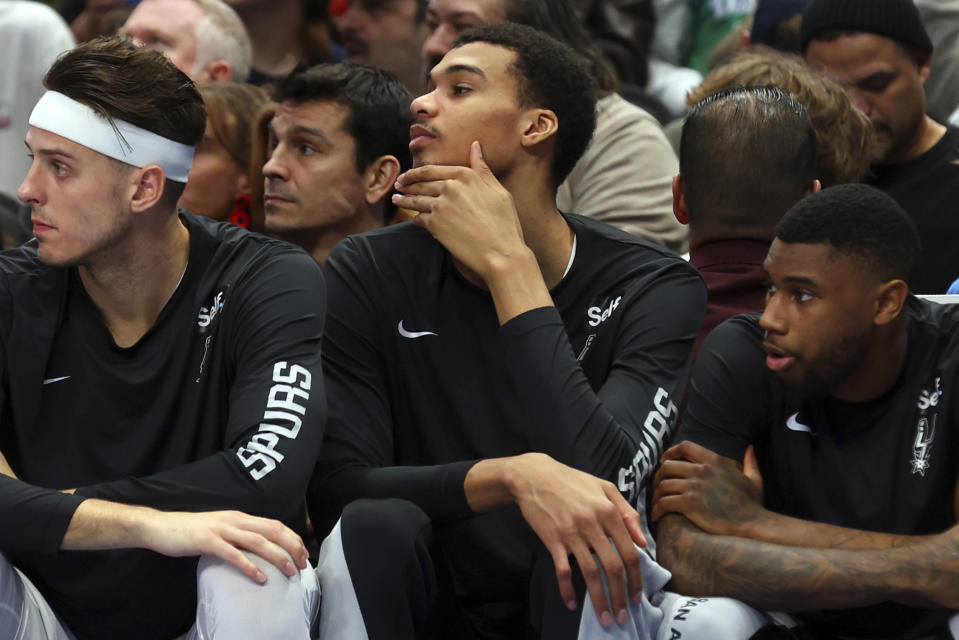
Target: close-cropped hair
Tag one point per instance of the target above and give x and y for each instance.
(845, 145)
(379, 105)
(859, 222)
(121, 81)
(549, 75)
(222, 36)
(746, 155)
(558, 18)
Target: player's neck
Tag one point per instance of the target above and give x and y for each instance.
(545, 231)
(320, 242)
(132, 281)
(879, 369)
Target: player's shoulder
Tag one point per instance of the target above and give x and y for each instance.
(737, 343)
(239, 249)
(607, 249)
(934, 322)
(398, 251)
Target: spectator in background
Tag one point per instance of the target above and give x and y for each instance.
(32, 35)
(338, 139)
(386, 34)
(623, 31)
(219, 182)
(941, 19)
(880, 53)
(286, 33)
(844, 135)
(205, 39)
(624, 176)
(94, 18)
(747, 155)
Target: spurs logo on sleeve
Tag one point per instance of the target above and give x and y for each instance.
(922, 445)
(925, 429)
(655, 433)
(283, 417)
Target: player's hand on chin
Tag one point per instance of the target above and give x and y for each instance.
(466, 209)
(575, 513)
(224, 534)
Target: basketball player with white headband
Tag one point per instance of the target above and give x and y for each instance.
(159, 381)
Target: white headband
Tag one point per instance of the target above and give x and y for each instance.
(134, 145)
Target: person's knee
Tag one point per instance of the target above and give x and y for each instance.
(231, 605)
(391, 527)
(708, 618)
(11, 599)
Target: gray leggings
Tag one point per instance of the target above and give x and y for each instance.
(723, 619)
(229, 605)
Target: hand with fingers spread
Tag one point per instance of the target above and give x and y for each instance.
(464, 208)
(575, 513)
(717, 494)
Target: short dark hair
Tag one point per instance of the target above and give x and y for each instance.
(746, 156)
(860, 222)
(551, 76)
(559, 19)
(122, 81)
(379, 106)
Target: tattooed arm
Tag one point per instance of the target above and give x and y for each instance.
(723, 497)
(782, 578)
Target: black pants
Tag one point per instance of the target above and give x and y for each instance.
(414, 579)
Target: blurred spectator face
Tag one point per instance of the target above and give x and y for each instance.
(215, 181)
(446, 19)
(168, 26)
(384, 34)
(884, 80)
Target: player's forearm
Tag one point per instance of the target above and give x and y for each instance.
(516, 285)
(488, 484)
(787, 531)
(99, 524)
(774, 577)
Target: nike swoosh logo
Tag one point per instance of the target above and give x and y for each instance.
(412, 334)
(795, 425)
(52, 380)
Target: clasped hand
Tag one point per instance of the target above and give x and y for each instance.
(718, 495)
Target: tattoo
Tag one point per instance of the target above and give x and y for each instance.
(775, 577)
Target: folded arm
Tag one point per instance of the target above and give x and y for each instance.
(783, 578)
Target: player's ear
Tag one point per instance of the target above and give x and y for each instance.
(379, 177)
(148, 186)
(538, 125)
(890, 299)
(679, 200)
